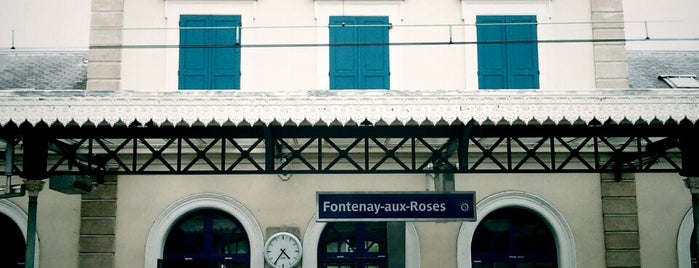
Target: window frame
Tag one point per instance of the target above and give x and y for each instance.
(323, 10)
(175, 8)
(548, 66)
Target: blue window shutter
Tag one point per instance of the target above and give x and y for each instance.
(344, 69)
(492, 62)
(365, 66)
(522, 54)
(209, 57)
(511, 61)
(374, 61)
(225, 60)
(193, 58)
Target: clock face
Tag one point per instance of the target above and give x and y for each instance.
(283, 250)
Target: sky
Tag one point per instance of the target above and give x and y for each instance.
(64, 24)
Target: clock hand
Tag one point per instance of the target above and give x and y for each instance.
(280, 255)
(284, 252)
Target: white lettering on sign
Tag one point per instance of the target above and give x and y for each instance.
(412, 206)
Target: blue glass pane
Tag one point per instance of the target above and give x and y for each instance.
(513, 237)
(206, 238)
(353, 244)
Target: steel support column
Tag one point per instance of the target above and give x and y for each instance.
(35, 160)
(33, 188)
(35, 157)
(444, 179)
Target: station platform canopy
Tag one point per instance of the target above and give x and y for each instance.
(351, 132)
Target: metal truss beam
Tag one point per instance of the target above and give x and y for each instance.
(467, 148)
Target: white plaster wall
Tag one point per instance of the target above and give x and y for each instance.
(663, 201)
(143, 69)
(279, 69)
(58, 227)
(58, 224)
(272, 202)
(434, 67)
(276, 203)
(438, 243)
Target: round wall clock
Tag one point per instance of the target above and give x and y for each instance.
(283, 250)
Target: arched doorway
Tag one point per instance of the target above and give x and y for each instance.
(13, 254)
(206, 238)
(563, 236)
(353, 244)
(513, 237)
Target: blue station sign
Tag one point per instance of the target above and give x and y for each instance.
(396, 206)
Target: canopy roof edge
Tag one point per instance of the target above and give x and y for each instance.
(322, 107)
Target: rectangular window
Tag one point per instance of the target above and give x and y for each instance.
(359, 52)
(507, 52)
(209, 52)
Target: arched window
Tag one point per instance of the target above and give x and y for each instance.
(206, 238)
(353, 244)
(513, 237)
(13, 255)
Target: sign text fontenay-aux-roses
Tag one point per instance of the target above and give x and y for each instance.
(396, 206)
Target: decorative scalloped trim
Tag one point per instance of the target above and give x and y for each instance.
(347, 108)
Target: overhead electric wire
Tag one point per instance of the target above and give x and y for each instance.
(390, 25)
(433, 43)
(449, 40)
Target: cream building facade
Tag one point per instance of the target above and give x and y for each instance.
(565, 156)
